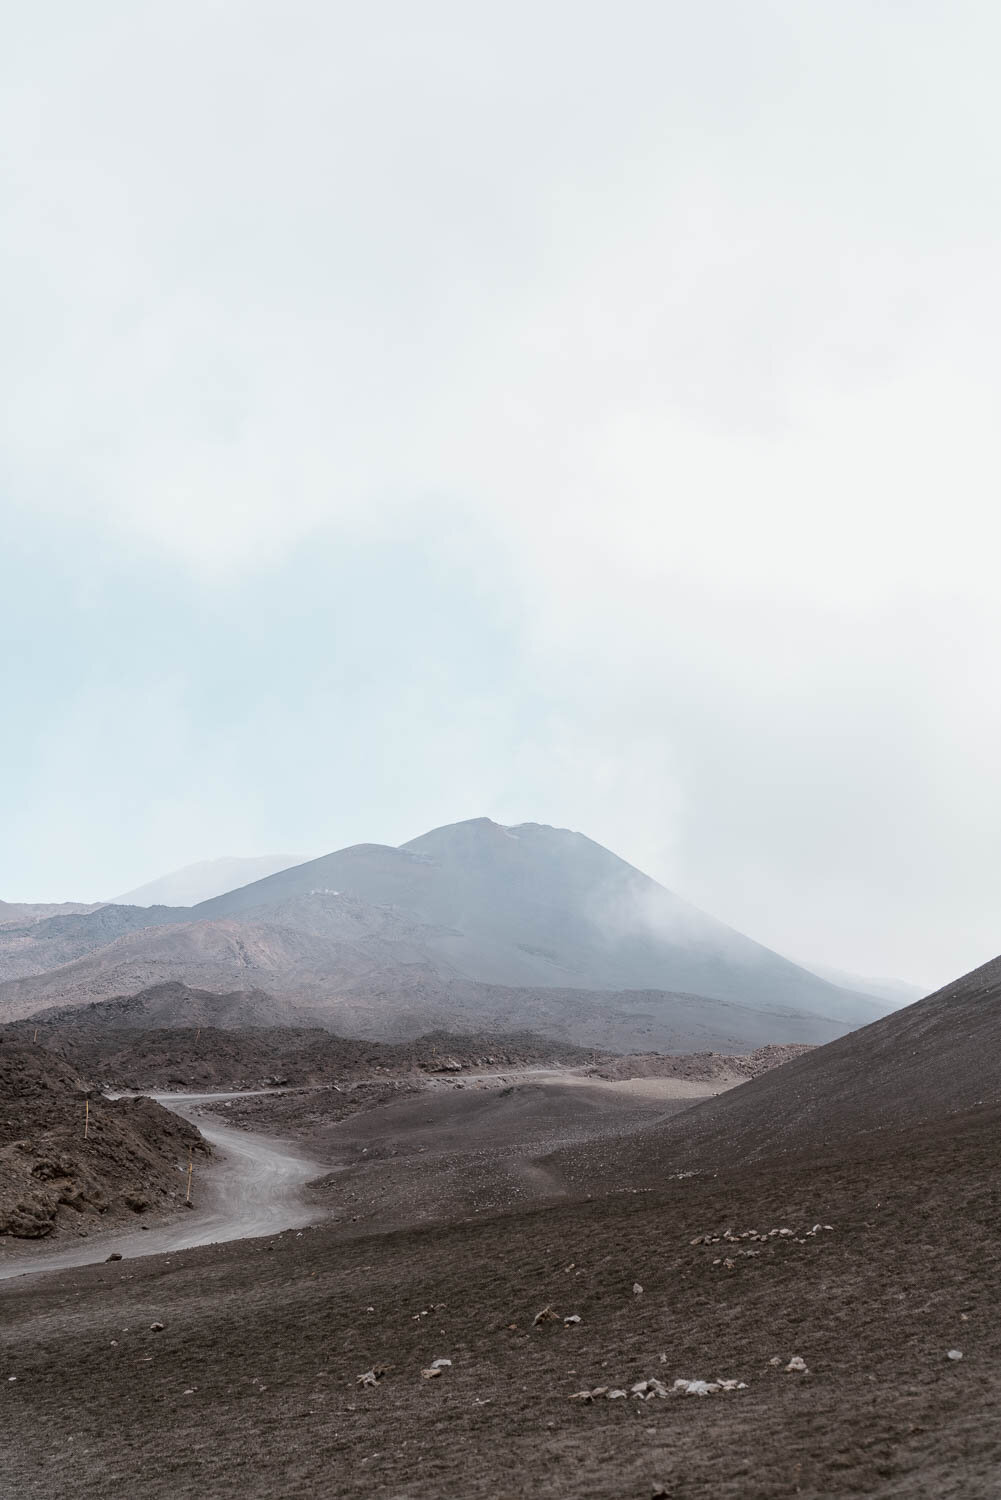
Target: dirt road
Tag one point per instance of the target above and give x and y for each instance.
(253, 1187)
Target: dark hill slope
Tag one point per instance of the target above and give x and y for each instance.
(208, 1057)
(937, 1057)
(546, 907)
(51, 1176)
(168, 1005)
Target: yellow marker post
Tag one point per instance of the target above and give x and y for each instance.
(35, 1037)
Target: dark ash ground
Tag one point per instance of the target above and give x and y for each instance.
(250, 1390)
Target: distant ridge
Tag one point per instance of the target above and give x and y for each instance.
(199, 882)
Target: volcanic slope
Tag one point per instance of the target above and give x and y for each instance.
(920, 1065)
(362, 990)
(36, 945)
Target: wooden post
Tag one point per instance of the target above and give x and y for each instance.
(86, 1118)
(35, 1037)
(191, 1167)
(198, 1033)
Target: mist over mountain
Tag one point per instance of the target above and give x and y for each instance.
(534, 905)
(470, 925)
(209, 877)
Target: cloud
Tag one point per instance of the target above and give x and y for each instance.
(662, 344)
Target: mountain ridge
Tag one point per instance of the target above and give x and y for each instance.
(461, 926)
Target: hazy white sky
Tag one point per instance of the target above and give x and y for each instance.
(574, 412)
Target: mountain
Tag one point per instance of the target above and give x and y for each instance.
(533, 905)
(198, 882)
(469, 926)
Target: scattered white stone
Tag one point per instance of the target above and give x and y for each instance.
(571, 1320)
(370, 1377)
(695, 1387)
(441, 1364)
(645, 1390)
(954, 1354)
(776, 1359)
(617, 1395)
(637, 1289)
(796, 1365)
(431, 1373)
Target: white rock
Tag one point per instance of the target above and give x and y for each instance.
(637, 1289)
(796, 1364)
(954, 1354)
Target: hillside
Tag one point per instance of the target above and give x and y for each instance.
(52, 940)
(383, 1001)
(918, 1066)
(168, 1005)
(52, 1178)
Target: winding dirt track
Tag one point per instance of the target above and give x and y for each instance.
(252, 1188)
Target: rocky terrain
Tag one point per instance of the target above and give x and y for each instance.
(201, 1056)
(701, 1066)
(70, 1160)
